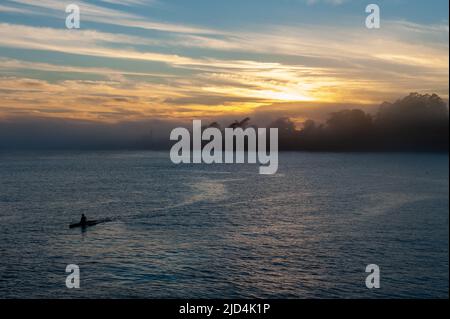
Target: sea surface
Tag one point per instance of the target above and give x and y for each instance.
(224, 231)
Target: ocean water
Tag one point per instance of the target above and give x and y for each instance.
(224, 231)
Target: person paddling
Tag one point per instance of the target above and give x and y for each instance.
(83, 220)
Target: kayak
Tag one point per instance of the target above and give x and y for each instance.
(89, 223)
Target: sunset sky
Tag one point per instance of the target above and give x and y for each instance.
(178, 59)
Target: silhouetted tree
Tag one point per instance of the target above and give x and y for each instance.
(418, 122)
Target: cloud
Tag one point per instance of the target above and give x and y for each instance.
(13, 64)
(81, 42)
(333, 2)
(11, 9)
(99, 14)
(131, 3)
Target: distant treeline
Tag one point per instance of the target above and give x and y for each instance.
(415, 123)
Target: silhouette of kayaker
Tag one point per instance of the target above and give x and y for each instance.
(83, 220)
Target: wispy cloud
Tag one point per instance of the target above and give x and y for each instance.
(13, 64)
(132, 2)
(333, 2)
(101, 14)
(13, 9)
